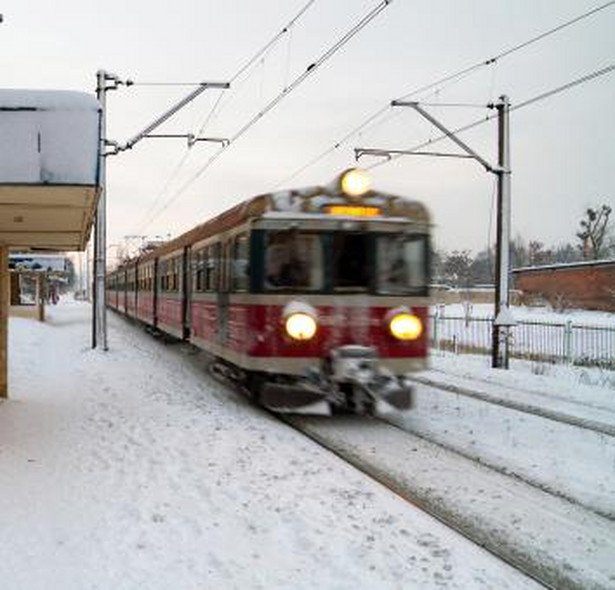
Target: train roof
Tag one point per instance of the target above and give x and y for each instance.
(296, 203)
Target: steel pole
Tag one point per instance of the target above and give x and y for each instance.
(99, 316)
(501, 327)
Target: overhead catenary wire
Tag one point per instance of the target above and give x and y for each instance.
(456, 76)
(260, 55)
(559, 89)
(147, 219)
(313, 67)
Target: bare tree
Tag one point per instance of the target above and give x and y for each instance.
(457, 267)
(593, 232)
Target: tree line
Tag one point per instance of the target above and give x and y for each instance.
(593, 241)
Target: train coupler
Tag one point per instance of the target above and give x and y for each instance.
(358, 375)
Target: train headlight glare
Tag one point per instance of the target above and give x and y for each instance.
(355, 182)
(406, 326)
(300, 326)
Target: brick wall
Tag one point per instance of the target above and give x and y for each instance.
(584, 286)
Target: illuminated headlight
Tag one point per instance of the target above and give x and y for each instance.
(300, 320)
(406, 326)
(355, 182)
(300, 326)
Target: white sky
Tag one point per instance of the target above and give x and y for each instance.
(562, 154)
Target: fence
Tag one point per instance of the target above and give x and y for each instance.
(551, 342)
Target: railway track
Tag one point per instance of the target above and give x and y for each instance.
(562, 446)
(598, 419)
(399, 487)
(555, 542)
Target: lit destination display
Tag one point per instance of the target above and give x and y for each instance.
(353, 210)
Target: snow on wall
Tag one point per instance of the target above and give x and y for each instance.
(48, 137)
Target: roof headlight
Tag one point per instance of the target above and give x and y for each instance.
(355, 182)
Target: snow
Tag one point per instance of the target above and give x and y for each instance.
(584, 333)
(569, 546)
(546, 439)
(133, 468)
(48, 137)
(523, 313)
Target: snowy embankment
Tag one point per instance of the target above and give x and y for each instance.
(133, 469)
(558, 542)
(562, 440)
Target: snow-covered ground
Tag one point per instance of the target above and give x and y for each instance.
(547, 341)
(134, 469)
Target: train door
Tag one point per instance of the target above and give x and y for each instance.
(155, 287)
(186, 288)
(222, 252)
(138, 293)
(125, 291)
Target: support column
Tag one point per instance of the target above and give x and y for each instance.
(4, 320)
(502, 316)
(41, 293)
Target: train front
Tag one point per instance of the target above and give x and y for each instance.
(343, 277)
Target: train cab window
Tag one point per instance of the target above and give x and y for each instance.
(401, 263)
(239, 264)
(350, 264)
(293, 260)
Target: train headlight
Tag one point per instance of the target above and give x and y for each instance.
(355, 182)
(300, 326)
(404, 325)
(300, 321)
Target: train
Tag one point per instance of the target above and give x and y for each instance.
(311, 297)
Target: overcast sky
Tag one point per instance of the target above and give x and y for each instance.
(563, 158)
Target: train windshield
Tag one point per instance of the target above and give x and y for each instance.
(293, 260)
(401, 264)
(340, 261)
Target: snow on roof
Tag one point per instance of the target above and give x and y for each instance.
(564, 265)
(49, 137)
(47, 100)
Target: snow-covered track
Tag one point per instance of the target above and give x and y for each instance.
(545, 439)
(555, 542)
(600, 420)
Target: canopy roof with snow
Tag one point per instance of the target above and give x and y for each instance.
(49, 147)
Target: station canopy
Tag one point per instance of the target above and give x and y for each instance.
(49, 148)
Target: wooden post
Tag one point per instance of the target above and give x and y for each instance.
(40, 297)
(4, 320)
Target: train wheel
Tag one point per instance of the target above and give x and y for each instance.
(254, 386)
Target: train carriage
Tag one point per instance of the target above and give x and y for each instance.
(319, 294)
(145, 304)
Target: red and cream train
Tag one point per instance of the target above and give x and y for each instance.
(303, 296)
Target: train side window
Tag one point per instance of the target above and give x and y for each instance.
(211, 267)
(175, 275)
(239, 263)
(199, 271)
(162, 273)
